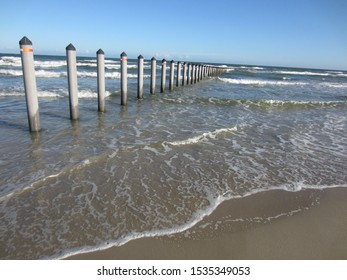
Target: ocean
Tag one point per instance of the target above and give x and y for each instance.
(161, 164)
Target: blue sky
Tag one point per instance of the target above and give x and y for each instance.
(298, 33)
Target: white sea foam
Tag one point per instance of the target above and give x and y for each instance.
(203, 137)
(56, 94)
(50, 63)
(310, 73)
(10, 61)
(10, 72)
(260, 82)
(194, 220)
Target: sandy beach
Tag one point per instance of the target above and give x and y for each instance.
(308, 224)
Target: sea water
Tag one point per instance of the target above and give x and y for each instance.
(161, 164)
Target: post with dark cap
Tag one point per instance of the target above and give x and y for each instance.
(198, 73)
(189, 75)
(140, 77)
(124, 79)
(184, 79)
(193, 81)
(153, 74)
(178, 78)
(163, 75)
(26, 51)
(172, 75)
(101, 79)
(72, 81)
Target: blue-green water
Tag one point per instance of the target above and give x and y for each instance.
(158, 165)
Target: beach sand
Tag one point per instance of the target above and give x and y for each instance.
(308, 224)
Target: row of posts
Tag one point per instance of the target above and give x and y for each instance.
(192, 73)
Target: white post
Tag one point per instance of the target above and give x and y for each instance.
(153, 74)
(26, 51)
(101, 79)
(172, 74)
(163, 75)
(140, 77)
(124, 79)
(178, 78)
(72, 81)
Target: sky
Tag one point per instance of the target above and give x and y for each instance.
(292, 33)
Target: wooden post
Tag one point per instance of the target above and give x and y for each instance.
(172, 74)
(101, 79)
(189, 76)
(27, 56)
(72, 81)
(153, 74)
(178, 78)
(140, 77)
(184, 79)
(124, 78)
(163, 75)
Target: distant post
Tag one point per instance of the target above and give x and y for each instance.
(189, 74)
(153, 74)
(26, 51)
(72, 81)
(184, 74)
(163, 75)
(178, 78)
(198, 73)
(140, 77)
(193, 74)
(172, 74)
(101, 79)
(124, 79)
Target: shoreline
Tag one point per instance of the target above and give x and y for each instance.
(276, 224)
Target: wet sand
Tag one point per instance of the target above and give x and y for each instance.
(308, 224)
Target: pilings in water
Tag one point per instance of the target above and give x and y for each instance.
(153, 74)
(163, 75)
(190, 74)
(172, 75)
(100, 61)
(72, 81)
(32, 104)
(184, 79)
(140, 60)
(124, 79)
(178, 77)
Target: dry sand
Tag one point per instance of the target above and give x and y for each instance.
(308, 224)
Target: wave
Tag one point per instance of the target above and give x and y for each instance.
(198, 216)
(254, 82)
(55, 94)
(53, 74)
(13, 61)
(310, 73)
(203, 137)
(259, 103)
(284, 82)
(38, 73)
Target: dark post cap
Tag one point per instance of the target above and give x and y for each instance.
(123, 54)
(153, 58)
(25, 41)
(100, 51)
(70, 47)
(140, 56)
(164, 60)
(172, 61)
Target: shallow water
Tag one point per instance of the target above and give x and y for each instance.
(160, 164)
